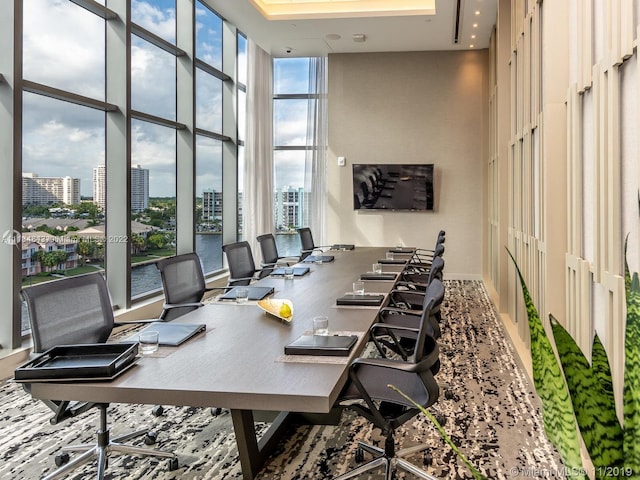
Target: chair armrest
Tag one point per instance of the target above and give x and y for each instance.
(213, 289)
(230, 280)
(168, 306)
(409, 288)
(289, 258)
(122, 323)
(314, 249)
(391, 326)
(413, 300)
(386, 311)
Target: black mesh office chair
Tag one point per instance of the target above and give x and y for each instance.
(367, 393)
(242, 268)
(403, 342)
(410, 280)
(183, 284)
(420, 263)
(77, 310)
(270, 255)
(307, 244)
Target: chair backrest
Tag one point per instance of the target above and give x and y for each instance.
(240, 261)
(182, 282)
(306, 239)
(268, 249)
(74, 310)
(433, 298)
(306, 242)
(437, 267)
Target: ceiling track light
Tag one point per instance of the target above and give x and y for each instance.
(457, 22)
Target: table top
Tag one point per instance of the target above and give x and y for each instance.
(238, 362)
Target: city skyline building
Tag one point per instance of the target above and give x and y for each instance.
(211, 205)
(290, 211)
(139, 187)
(38, 190)
(100, 186)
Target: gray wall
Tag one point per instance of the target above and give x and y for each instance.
(413, 107)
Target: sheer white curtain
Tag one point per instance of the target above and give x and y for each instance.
(316, 158)
(258, 170)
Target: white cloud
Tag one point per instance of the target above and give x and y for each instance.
(159, 18)
(64, 47)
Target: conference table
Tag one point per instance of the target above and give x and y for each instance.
(238, 363)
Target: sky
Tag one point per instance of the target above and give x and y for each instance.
(64, 48)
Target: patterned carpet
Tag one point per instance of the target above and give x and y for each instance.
(494, 418)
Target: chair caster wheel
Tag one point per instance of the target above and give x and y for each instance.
(150, 438)
(359, 455)
(173, 464)
(216, 411)
(427, 459)
(157, 411)
(61, 459)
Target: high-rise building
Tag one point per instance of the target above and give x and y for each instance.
(49, 190)
(211, 205)
(139, 188)
(100, 186)
(289, 208)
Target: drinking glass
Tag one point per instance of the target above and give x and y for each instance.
(377, 268)
(288, 273)
(358, 288)
(148, 342)
(320, 325)
(242, 294)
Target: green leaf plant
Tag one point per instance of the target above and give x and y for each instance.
(614, 449)
(557, 410)
(631, 393)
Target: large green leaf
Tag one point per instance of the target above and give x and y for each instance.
(593, 401)
(557, 410)
(631, 396)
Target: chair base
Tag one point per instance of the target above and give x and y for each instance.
(390, 463)
(104, 446)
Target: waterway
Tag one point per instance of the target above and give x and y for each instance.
(146, 278)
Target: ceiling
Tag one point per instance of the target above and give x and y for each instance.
(383, 32)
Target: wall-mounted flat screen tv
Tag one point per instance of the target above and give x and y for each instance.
(393, 187)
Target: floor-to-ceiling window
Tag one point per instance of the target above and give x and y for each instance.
(208, 194)
(63, 139)
(242, 122)
(292, 91)
(105, 136)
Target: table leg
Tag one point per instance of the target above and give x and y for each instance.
(253, 452)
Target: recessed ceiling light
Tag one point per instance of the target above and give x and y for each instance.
(473, 36)
(290, 9)
(359, 37)
(477, 12)
(471, 46)
(475, 25)
(333, 36)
